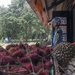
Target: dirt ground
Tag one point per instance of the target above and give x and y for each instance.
(3, 44)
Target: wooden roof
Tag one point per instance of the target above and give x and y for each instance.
(44, 8)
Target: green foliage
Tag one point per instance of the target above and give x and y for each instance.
(20, 20)
(37, 44)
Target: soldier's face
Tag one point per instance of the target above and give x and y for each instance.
(54, 24)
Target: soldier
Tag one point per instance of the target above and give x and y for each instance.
(57, 31)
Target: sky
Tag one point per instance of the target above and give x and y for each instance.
(5, 3)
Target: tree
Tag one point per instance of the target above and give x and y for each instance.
(20, 20)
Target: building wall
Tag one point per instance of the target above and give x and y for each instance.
(74, 25)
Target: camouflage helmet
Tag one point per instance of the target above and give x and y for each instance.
(57, 20)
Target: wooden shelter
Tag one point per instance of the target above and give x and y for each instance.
(47, 9)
